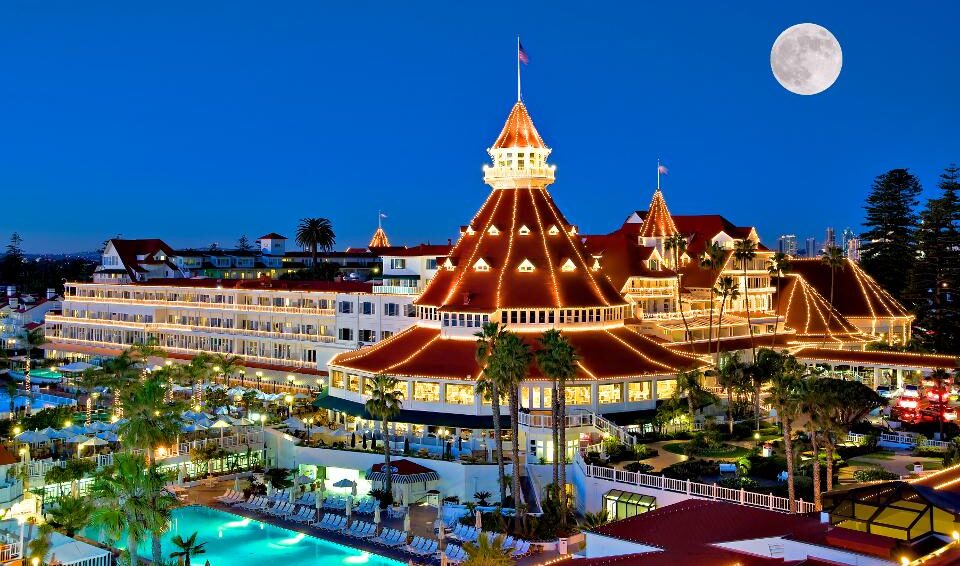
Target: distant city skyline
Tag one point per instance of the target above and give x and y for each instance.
(198, 123)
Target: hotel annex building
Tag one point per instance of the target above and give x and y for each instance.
(519, 261)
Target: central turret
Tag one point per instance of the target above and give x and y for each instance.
(519, 155)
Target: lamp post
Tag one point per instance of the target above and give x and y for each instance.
(289, 400)
(259, 375)
(263, 419)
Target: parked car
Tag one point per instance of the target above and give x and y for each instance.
(884, 391)
(911, 391)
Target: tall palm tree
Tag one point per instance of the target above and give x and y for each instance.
(730, 371)
(487, 551)
(71, 514)
(833, 258)
(813, 404)
(488, 386)
(557, 360)
(786, 386)
(677, 245)
(315, 234)
(743, 252)
(228, 365)
(511, 357)
(125, 500)
(385, 403)
(11, 387)
(847, 403)
(712, 260)
(778, 266)
(728, 291)
(188, 548)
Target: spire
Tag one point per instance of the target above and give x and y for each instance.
(658, 223)
(379, 239)
(519, 131)
(519, 154)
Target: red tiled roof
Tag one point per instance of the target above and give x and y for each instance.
(519, 130)
(658, 223)
(893, 359)
(855, 294)
(694, 555)
(622, 257)
(379, 239)
(272, 236)
(263, 283)
(508, 210)
(128, 250)
(422, 352)
(808, 313)
(403, 467)
(435, 250)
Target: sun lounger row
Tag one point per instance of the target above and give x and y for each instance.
(366, 507)
(361, 529)
(420, 546)
(230, 497)
(455, 554)
(464, 533)
(305, 515)
(308, 498)
(331, 522)
(390, 538)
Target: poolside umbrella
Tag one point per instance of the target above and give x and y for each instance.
(221, 424)
(293, 491)
(319, 500)
(376, 514)
(32, 437)
(236, 483)
(79, 439)
(108, 436)
(48, 432)
(90, 442)
(75, 429)
(406, 522)
(242, 422)
(479, 521)
(180, 473)
(349, 508)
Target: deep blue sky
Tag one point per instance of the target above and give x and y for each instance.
(200, 121)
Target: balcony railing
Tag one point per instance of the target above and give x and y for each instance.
(202, 305)
(652, 291)
(396, 290)
(491, 173)
(155, 326)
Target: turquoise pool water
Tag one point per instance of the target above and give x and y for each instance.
(233, 540)
(38, 375)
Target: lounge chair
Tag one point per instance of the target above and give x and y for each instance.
(521, 549)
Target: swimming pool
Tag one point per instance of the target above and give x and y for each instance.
(239, 541)
(39, 375)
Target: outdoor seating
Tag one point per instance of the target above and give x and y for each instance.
(390, 538)
(455, 554)
(306, 515)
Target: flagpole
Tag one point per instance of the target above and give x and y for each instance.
(379, 218)
(658, 173)
(518, 68)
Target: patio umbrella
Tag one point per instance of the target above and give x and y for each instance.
(406, 522)
(180, 473)
(294, 423)
(376, 514)
(242, 422)
(79, 439)
(77, 367)
(74, 429)
(59, 434)
(236, 483)
(479, 521)
(108, 436)
(293, 491)
(32, 437)
(300, 396)
(48, 432)
(319, 500)
(98, 426)
(221, 424)
(349, 508)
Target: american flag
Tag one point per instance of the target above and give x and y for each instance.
(662, 169)
(522, 54)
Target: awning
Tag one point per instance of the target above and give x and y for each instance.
(427, 418)
(403, 471)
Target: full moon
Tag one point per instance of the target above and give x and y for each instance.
(806, 59)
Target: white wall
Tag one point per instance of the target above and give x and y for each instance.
(589, 491)
(599, 545)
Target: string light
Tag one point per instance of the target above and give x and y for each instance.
(513, 225)
(546, 252)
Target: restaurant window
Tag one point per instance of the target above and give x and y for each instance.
(459, 394)
(426, 391)
(665, 388)
(578, 395)
(638, 391)
(547, 397)
(525, 397)
(353, 383)
(367, 386)
(336, 379)
(610, 393)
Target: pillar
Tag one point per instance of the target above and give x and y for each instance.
(876, 377)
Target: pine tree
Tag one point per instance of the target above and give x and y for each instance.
(889, 248)
(13, 260)
(936, 273)
(243, 244)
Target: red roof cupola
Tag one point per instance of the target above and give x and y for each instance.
(519, 154)
(658, 223)
(519, 131)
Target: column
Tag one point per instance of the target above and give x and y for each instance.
(876, 377)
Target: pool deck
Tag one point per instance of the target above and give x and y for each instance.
(421, 523)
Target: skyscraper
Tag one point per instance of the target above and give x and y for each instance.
(831, 239)
(788, 244)
(810, 247)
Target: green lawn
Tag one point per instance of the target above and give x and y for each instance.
(734, 452)
(927, 465)
(880, 455)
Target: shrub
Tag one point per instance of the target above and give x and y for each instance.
(738, 482)
(767, 468)
(693, 470)
(616, 450)
(638, 467)
(930, 452)
(643, 452)
(873, 474)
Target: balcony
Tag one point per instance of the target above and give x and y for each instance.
(500, 173)
(651, 291)
(202, 305)
(216, 330)
(396, 290)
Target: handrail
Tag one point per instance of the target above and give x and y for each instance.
(584, 418)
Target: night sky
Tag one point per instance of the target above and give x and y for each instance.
(201, 121)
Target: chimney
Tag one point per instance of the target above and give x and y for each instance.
(51, 294)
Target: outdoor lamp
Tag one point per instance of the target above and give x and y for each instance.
(67, 423)
(35, 561)
(196, 408)
(259, 374)
(168, 363)
(216, 369)
(16, 430)
(288, 399)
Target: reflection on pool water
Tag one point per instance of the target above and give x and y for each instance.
(238, 541)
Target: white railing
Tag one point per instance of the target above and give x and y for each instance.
(191, 328)
(501, 172)
(652, 291)
(10, 551)
(694, 489)
(204, 305)
(577, 420)
(396, 290)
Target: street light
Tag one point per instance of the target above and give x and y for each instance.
(289, 400)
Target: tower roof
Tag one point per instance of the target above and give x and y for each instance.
(658, 223)
(519, 131)
(379, 239)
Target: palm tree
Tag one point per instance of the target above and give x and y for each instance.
(847, 403)
(40, 546)
(11, 387)
(813, 403)
(557, 360)
(188, 548)
(712, 260)
(833, 258)
(727, 290)
(595, 520)
(511, 357)
(743, 252)
(786, 386)
(126, 498)
(777, 267)
(385, 403)
(689, 385)
(315, 234)
(228, 365)
(729, 373)
(71, 514)
(488, 551)
(488, 385)
(677, 244)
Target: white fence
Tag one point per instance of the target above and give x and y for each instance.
(578, 420)
(901, 438)
(10, 551)
(693, 489)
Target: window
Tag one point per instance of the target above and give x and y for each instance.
(345, 334)
(524, 231)
(386, 334)
(547, 397)
(368, 307)
(391, 309)
(481, 265)
(398, 263)
(345, 307)
(432, 263)
(526, 266)
(353, 383)
(493, 231)
(610, 393)
(578, 395)
(553, 231)
(336, 379)
(568, 266)
(367, 335)
(665, 388)
(460, 394)
(426, 391)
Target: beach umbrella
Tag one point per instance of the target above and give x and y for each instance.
(376, 514)
(479, 521)
(349, 508)
(221, 424)
(406, 522)
(108, 436)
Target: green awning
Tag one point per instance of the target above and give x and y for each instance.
(427, 418)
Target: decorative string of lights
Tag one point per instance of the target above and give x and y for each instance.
(546, 251)
(513, 227)
(476, 247)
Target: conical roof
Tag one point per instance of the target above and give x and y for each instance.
(519, 130)
(519, 252)
(658, 223)
(379, 239)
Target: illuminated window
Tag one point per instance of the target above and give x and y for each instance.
(426, 391)
(481, 265)
(596, 264)
(459, 394)
(448, 264)
(336, 379)
(353, 383)
(573, 230)
(638, 391)
(610, 393)
(547, 397)
(553, 231)
(524, 231)
(568, 266)
(665, 388)
(493, 231)
(526, 266)
(471, 231)
(578, 394)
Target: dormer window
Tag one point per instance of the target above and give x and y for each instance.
(493, 231)
(553, 231)
(573, 230)
(470, 231)
(568, 266)
(524, 231)
(596, 264)
(481, 265)
(526, 266)
(448, 264)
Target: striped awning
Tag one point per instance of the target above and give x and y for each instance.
(403, 472)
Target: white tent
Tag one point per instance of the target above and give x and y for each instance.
(77, 367)
(294, 423)
(71, 552)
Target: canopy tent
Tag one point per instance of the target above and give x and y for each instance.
(409, 478)
(77, 367)
(32, 437)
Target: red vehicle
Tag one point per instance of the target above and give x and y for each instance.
(907, 403)
(938, 395)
